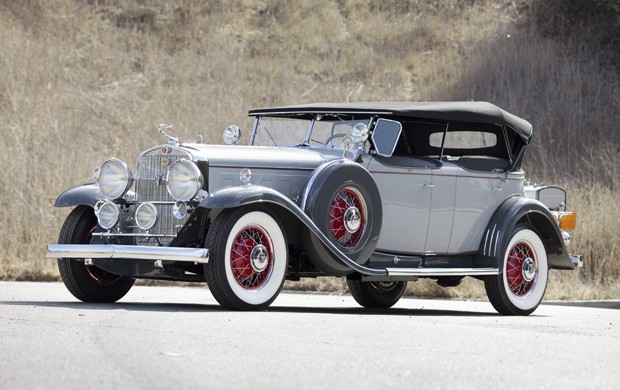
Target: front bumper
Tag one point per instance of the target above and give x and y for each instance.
(87, 251)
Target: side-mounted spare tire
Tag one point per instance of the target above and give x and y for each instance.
(343, 200)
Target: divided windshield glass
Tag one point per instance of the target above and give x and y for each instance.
(272, 131)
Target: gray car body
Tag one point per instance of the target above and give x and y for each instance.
(438, 216)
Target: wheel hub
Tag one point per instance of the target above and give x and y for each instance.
(259, 258)
(352, 219)
(528, 269)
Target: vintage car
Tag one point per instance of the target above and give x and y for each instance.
(378, 193)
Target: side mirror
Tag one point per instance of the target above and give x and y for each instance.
(385, 136)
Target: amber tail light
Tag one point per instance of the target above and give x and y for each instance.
(568, 221)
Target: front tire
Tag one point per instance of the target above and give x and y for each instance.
(521, 284)
(248, 258)
(376, 295)
(87, 283)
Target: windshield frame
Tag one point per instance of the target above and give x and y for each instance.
(313, 120)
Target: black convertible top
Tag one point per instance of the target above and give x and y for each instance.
(481, 112)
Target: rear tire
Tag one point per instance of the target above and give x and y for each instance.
(87, 283)
(248, 258)
(376, 295)
(521, 284)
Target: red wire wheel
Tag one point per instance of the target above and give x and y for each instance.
(520, 286)
(347, 217)
(521, 269)
(252, 257)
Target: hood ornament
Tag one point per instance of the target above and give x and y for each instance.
(162, 127)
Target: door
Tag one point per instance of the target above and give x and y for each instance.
(405, 187)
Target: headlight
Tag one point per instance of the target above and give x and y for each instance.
(146, 216)
(107, 214)
(184, 180)
(114, 179)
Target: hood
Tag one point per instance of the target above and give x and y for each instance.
(259, 156)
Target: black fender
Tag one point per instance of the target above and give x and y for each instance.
(84, 195)
(519, 209)
(249, 194)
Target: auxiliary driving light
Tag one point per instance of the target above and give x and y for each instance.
(107, 214)
(146, 216)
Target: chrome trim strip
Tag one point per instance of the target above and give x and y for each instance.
(86, 251)
(496, 243)
(281, 168)
(484, 247)
(442, 271)
(491, 240)
(109, 234)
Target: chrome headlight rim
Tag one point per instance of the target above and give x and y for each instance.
(119, 184)
(146, 215)
(107, 214)
(192, 181)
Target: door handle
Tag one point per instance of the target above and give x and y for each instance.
(496, 188)
(428, 185)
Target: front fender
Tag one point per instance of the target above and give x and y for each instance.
(84, 195)
(516, 210)
(252, 194)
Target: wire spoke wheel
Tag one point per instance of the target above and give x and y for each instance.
(347, 217)
(251, 256)
(248, 258)
(521, 269)
(521, 284)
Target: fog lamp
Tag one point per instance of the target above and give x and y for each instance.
(146, 216)
(107, 214)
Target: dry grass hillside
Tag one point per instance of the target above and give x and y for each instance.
(81, 81)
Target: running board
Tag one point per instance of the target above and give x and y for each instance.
(404, 274)
(442, 271)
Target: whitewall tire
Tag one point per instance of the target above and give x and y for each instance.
(521, 284)
(248, 258)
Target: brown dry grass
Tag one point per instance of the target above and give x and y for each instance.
(84, 81)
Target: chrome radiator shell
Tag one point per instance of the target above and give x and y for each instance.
(150, 186)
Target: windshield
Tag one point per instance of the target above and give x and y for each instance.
(291, 131)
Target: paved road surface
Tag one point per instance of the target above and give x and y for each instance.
(178, 338)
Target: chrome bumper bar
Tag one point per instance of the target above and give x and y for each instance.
(165, 253)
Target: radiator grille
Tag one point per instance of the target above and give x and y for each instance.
(150, 182)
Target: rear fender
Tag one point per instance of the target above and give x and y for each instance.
(516, 210)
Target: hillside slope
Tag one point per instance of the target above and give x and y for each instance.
(81, 81)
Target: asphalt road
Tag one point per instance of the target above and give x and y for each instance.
(178, 338)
